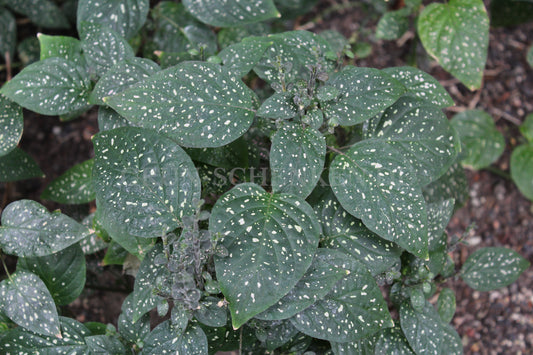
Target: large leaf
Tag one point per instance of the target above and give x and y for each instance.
(279, 106)
(446, 305)
(68, 48)
(43, 13)
(104, 344)
(493, 267)
(452, 185)
(18, 165)
(231, 12)
(28, 229)
(373, 182)
(145, 183)
(241, 57)
(27, 302)
(131, 330)
(11, 125)
(297, 158)
(54, 86)
(456, 34)
(63, 272)
(392, 341)
(522, 169)
(109, 119)
(482, 141)
(74, 186)
(271, 240)
(8, 36)
(197, 104)
(364, 93)
(423, 329)
(125, 17)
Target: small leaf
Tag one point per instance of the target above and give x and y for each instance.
(75, 186)
(392, 341)
(522, 169)
(94, 242)
(115, 254)
(336, 40)
(446, 305)
(446, 31)
(360, 347)
(27, 302)
(526, 128)
(393, 24)
(28, 230)
(104, 344)
(18, 165)
(452, 343)
(53, 86)
(8, 36)
(11, 125)
(68, 48)
(130, 330)
(43, 13)
(452, 185)
(423, 329)
(278, 106)
(193, 341)
(241, 57)
(108, 119)
(482, 141)
(161, 340)
(210, 313)
(493, 267)
(439, 215)
(232, 12)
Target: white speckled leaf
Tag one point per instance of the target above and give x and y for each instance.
(491, 268)
(109, 119)
(63, 272)
(393, 24)
(231, 13)
(343, 231)
(125, 17)
(18, 165)
(68, 48)
(452, 185)
(11, 125)
(297, 158)
(364, 93)
(446, 305)
(439, 215)
(25, 299)
(373, 182)
(278, 106)
(161, 340)
(130, 330)
(121, 76)
(360, 347)
(8, 36)
(392, 341)
(421, 85)
(456, 34)
(271, 240)
(93, 243)
(53, 86)
(354, 309)
(522, 169)
(193, 341)
(43, 13)
(211, 312)
(28, 229)
(197, 104)
(423, 329)
(483, 143)
(145, 183)
(104, 344)
(241, 57)
(103, 47)
(452, 343)
(74, 186)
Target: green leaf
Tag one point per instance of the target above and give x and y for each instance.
(121, 76)
(452, 185)
(393, 24)
(456, 34)
(28, 230)
(193, 341)
(360, 347)
(275, 334)
(439, 215)
(482, 141)
(337, 42)
(241, 57)
(342, 231)
(28, 50)
(452, 343)
(522, 169)
(130, 330)
(68, 48)
(278, 106)
(124, 17)
(11, 125)
(27, 302)
(108, 119)
(43, 13)
(212, 312)
(94, 242)
(491, 268)
(446, 305)
(297, 158)
(423, 329)
(392, 341)
(526, 128)
(103, 47)
(353, 310)
(232, 35)
(115, 254)
(421, 85)
(145, 183)
(54, 86)
(72, 187)
(8, 36)
(364, 93)
(373, 182)
(271, 240)
(63, 272)
(319, 279)
(232, 12)
(104, 344)
(18, 165)
(197, 104)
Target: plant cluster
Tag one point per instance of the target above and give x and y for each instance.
(269, 193)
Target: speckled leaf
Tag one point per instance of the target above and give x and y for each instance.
(446, 305)
(453, 184)
(43, 13)
(108, 119)
(423, 329)
(373, 182)
(354, 309)
(68, 48)
(75, 186)
(241, 57)
(275, 334)
(452, 343)
(343, 231)
(337, 42)
(28, 50)
(212, 312)
(24, 342)
(54, 86)
(491, 268)
(439, 215)
(18, 165)
(360, 347)
(231, 35)
(130, 330)
(125, 17)
(364, 93)
(28, 229)
(8, 36)
(27, 302)
(93, 243)
(103, 47)
(63, 272)
(522, 169)
(145, 183)
(224, 338)
(421, 85)
(319, 279)
(231, 12)
(197, 104)
(193, 341)
(393, 24)
(392, 341)
(456, 34)
(297, 158)
(104, 344)
(278, 106)
(271, 240)
(482, 141)
(121, 76)
(11, 125)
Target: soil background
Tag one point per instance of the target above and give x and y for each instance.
(496, 322)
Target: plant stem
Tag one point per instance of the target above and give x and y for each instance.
(498, 172)
(4, 264)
